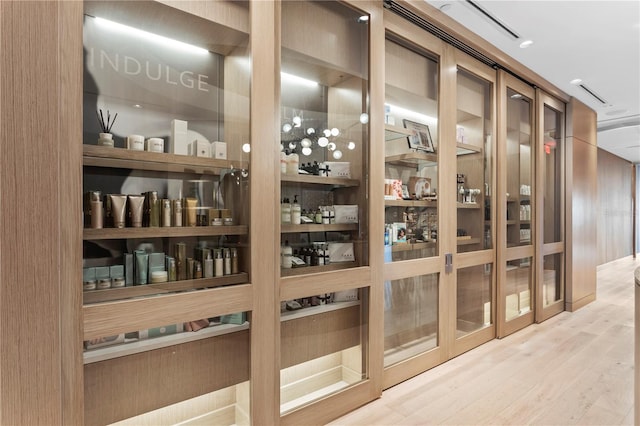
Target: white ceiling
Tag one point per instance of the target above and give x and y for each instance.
(597, 41)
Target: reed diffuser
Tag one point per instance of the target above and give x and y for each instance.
(105, 138)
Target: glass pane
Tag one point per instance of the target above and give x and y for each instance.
(199, 369)
(474, 147)
(322, 348)
(518, 288)
(473, 299)
(410, 317)
(519, 170)
(552, 279)
(552, 172)
(166, 132)
(324, 137)
(411, 161)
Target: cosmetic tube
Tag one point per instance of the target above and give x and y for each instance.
(177, 212)
(107, 221)
(181, 259)
(97, 220)
(153, 208)
(142, 266)
(136, 207)
(227, 261)
(191, 266)
(190, 204)
(166, 212)
(234, 260)
(171, 268)
(118, 209)
(218, 263)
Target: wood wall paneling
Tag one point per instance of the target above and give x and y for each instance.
(614, 207)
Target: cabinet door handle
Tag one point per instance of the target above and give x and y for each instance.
(448, 263)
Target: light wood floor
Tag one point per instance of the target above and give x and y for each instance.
(575, 368)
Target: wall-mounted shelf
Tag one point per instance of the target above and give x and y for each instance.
(97, 296)
(392, 132)
(320, 180)
(411, 203)
(465, 149)
(162, 232)
(304, 270)
(312, 227)
(467, 205)
(400, 247)
(412, 159)
(316, 310)
(468, 241)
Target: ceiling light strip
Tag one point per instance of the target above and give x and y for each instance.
(592, 93)
(493, 19)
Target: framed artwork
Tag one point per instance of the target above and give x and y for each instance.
(420, 140)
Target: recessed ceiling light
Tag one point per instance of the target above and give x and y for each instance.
(137, 106)
(363, 18)
(526, 44)
(576, 81)
(445, 7)
(516, 96)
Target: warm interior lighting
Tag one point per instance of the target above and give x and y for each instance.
(290, 78)
(412, 115)
(158, 39)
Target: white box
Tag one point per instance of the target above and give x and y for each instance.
(200, 148)
(346, 295)
(178, 144)
(219, 150)
(340, 169)
(346, 213)
(341, 252)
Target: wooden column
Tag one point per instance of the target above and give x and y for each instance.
(40, 197)
(581, 202)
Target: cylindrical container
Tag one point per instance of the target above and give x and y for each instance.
(286, 253)
(295, 211)
(218, 261)
(326, 217)
(318, 216)
(135, 142)
(285, 211)
(227, 261)
(177, 213)
(197, 270)
(155, 145)
(166, 212)
(234, 260)
(171, 269)
(190, 217)
(293, 161)
(216, 221)
(105, 139)
(117, 282)
(153, 204)
(97, 220)
(104, 283)
(159, 277)
(191, 266)
(208, 266)
(181, 259)
(283, 162)
(89, 285)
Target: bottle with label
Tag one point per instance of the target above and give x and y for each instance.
(218, 263)
(293, 161)
(208, 265)
(295, 211)
(285, 211)
(234, 260)
(318, 216)
(283, 162)
(286, 253)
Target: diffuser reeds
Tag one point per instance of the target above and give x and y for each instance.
(105, 126)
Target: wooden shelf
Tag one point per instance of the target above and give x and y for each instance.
(392, 133)
(312, 227)
(162, 232)
(119, 158)
(320, 180)
(411, 203)
(135, 346)
(98, 296)
(316, 310)
(413, 159)
(467, 205)
(465, 149)
(401, 247)
(468, 241)
(303, 270)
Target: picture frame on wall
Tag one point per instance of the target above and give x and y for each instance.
(421, 139)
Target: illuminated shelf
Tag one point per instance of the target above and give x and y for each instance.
(163, 232)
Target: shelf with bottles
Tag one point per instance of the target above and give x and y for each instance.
(313, 227)
(410, 246)
(460, 205)
(163, 232)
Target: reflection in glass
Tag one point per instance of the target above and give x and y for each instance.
(552, 172)
(474, 168)
(473, 299)
(519, 166)
(322, 351)
(518, 288)
(411, 159)
(410, 317)
(552, 281)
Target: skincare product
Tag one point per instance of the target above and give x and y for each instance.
(178, 141)
(102, 272)
(190, 204)
(159, 277)
(283, 162)
(211, 215)
(166, 212)
(155, 145)
(217, 221)
(208, 265)
(295, 211)
(227, 261)
(135, 142)
(116, 271)
(89, 285)
(286, 253)
(293, 161)
(197, 270)
(219, 150)
(171, 268)
(201, 148)
(136, 208)
(181, 259)
(104, 284)
(156, 262)
(97, 220)
(128, 269)
(177, 213)
(142, 267)
(285, 211)
(88, 274)
(118, 209)
(218, 263)
(117, 282)
(108, 218)
(191, 264)
(234, 260)
(153, 206)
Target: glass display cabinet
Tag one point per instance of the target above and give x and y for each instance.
(166, 211)
(324, 212)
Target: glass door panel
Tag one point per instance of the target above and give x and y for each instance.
(474, 299)
(474, 162)
(517, 288)
(552, 282)
(552, 166)
(411, 154)
(410, 317)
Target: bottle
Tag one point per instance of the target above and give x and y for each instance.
(293, 162)
(208, 265)
(286, 253)
(177, 212)
(314, 257)
(318, 216)
(166, 212)
(285, 211)
(197, 270)
(234, 260)
(326, 218)
(218, 263)
(295, 211)
(227, 261)
(283, 162)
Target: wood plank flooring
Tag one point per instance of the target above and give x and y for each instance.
(575, 368)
